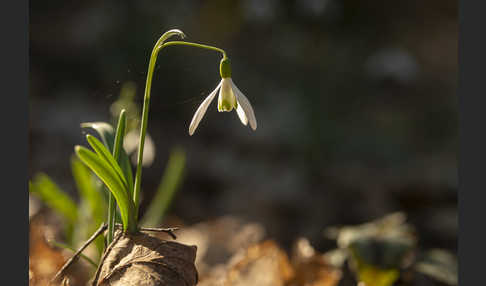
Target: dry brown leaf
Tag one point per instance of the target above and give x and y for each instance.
(315, 272)
(259, 265)
(140, 259)
(218, 240)
(312, 268)
(44, 261)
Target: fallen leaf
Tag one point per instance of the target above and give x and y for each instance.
(140, 259)
(44, 261)
(259, 265)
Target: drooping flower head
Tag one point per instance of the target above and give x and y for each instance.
(229, 97)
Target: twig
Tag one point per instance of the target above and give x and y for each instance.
(169, 230)
(76, 255)
(65, 246)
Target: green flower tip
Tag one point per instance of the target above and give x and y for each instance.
(225, 68)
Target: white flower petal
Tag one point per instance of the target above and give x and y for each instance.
(245, 105)
(226, 98)
(241, 115)
(201, 110)
(130, 144)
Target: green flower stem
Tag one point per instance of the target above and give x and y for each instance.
(146, 102)
(202, 46)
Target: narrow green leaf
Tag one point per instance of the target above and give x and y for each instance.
(107, 135)
(88, 190)
(91, 210)
(120, 133)
(127, 170)
(49, 192)
(169, 184)
(105, 155)
(112, 180)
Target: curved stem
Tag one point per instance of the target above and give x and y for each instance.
(197, 45)
(146, 102)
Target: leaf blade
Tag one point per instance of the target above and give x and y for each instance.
(88, 191)
(105, 155)
(50, 193)
(112, 181)
(107, 135)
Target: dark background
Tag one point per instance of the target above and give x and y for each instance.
(355, 101)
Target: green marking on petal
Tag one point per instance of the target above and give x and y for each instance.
(226, 105)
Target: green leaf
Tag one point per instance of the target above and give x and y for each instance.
(112, 180)
(48, 191)
(88, 190)
(105, 155)
(91, 212)
(107, 135)
(120, 133)
(168, 187)
(126, 167)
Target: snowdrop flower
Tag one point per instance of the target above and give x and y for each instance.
(229, 97)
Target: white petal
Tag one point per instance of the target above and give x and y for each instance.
(226, 96)
(241, 115)
(201, 110)
(130, 141)
(130, 144)
(245, 105)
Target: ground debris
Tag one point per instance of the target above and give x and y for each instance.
(261, 264)
(141, 259)
(218, 240)
(45, 261)
(266, 263)
(311, 267)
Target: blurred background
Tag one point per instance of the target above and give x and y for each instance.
(355, 102)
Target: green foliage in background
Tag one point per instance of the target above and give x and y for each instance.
(169, 184)
(82, 219)
(378, 251)
(49, 192)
